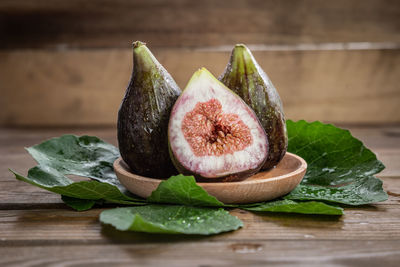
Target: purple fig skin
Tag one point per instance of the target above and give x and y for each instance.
(176, 159)
(144, 114)
(245, 77)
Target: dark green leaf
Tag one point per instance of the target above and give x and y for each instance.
(171, 219)
(333, 155)
(78, 204)
(50, 179)
(182, 189)
(289, 206)
(340, 167)
(364, 191)
(86, 156)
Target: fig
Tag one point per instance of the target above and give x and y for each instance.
(144, 114)
(245, 77)
(213, 134)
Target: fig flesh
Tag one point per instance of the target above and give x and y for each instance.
(213, 134)
(144, 114)
(245, 77)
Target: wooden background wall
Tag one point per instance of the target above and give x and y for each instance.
(68, 62)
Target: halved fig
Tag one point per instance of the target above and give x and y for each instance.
(213, 134)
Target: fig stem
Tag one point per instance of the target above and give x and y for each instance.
(137, 44)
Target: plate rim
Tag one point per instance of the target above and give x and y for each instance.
(118, 167)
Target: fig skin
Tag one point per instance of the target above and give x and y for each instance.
(236, 177)
(232, 177)
(245, 77)
(144, 114)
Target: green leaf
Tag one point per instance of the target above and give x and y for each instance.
(340, 167)
(171, 219)
(50, 179)
(289, 206)
(182, 189)
(86, 156)
(78, 204)
(333, 155)
(364, 191)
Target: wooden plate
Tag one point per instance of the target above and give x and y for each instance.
(262, 186)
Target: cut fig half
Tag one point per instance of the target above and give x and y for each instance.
(213, 134)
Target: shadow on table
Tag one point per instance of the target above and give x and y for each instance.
(117, 236)
(314, 220)
(300, 220)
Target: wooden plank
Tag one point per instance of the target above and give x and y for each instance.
(376, 137)
(392, 187)
(86, 87)
(377, 222)
(391, 160)
(19, 195)
(177, 23)
(204, 253)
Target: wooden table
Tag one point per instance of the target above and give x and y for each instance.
(36, 228)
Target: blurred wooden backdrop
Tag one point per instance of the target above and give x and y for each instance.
(68, 62)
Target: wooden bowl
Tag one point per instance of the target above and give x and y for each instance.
(262, 186)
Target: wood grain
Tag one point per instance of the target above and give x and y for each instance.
(191, 253)
(184, 23)
(58, 225)
(86, 87)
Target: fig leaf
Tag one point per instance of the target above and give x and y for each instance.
(340, 168)
(363, 191)
(182, 189)
(171, 219)
(290, 206)
(78, 204)
(86, 156)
